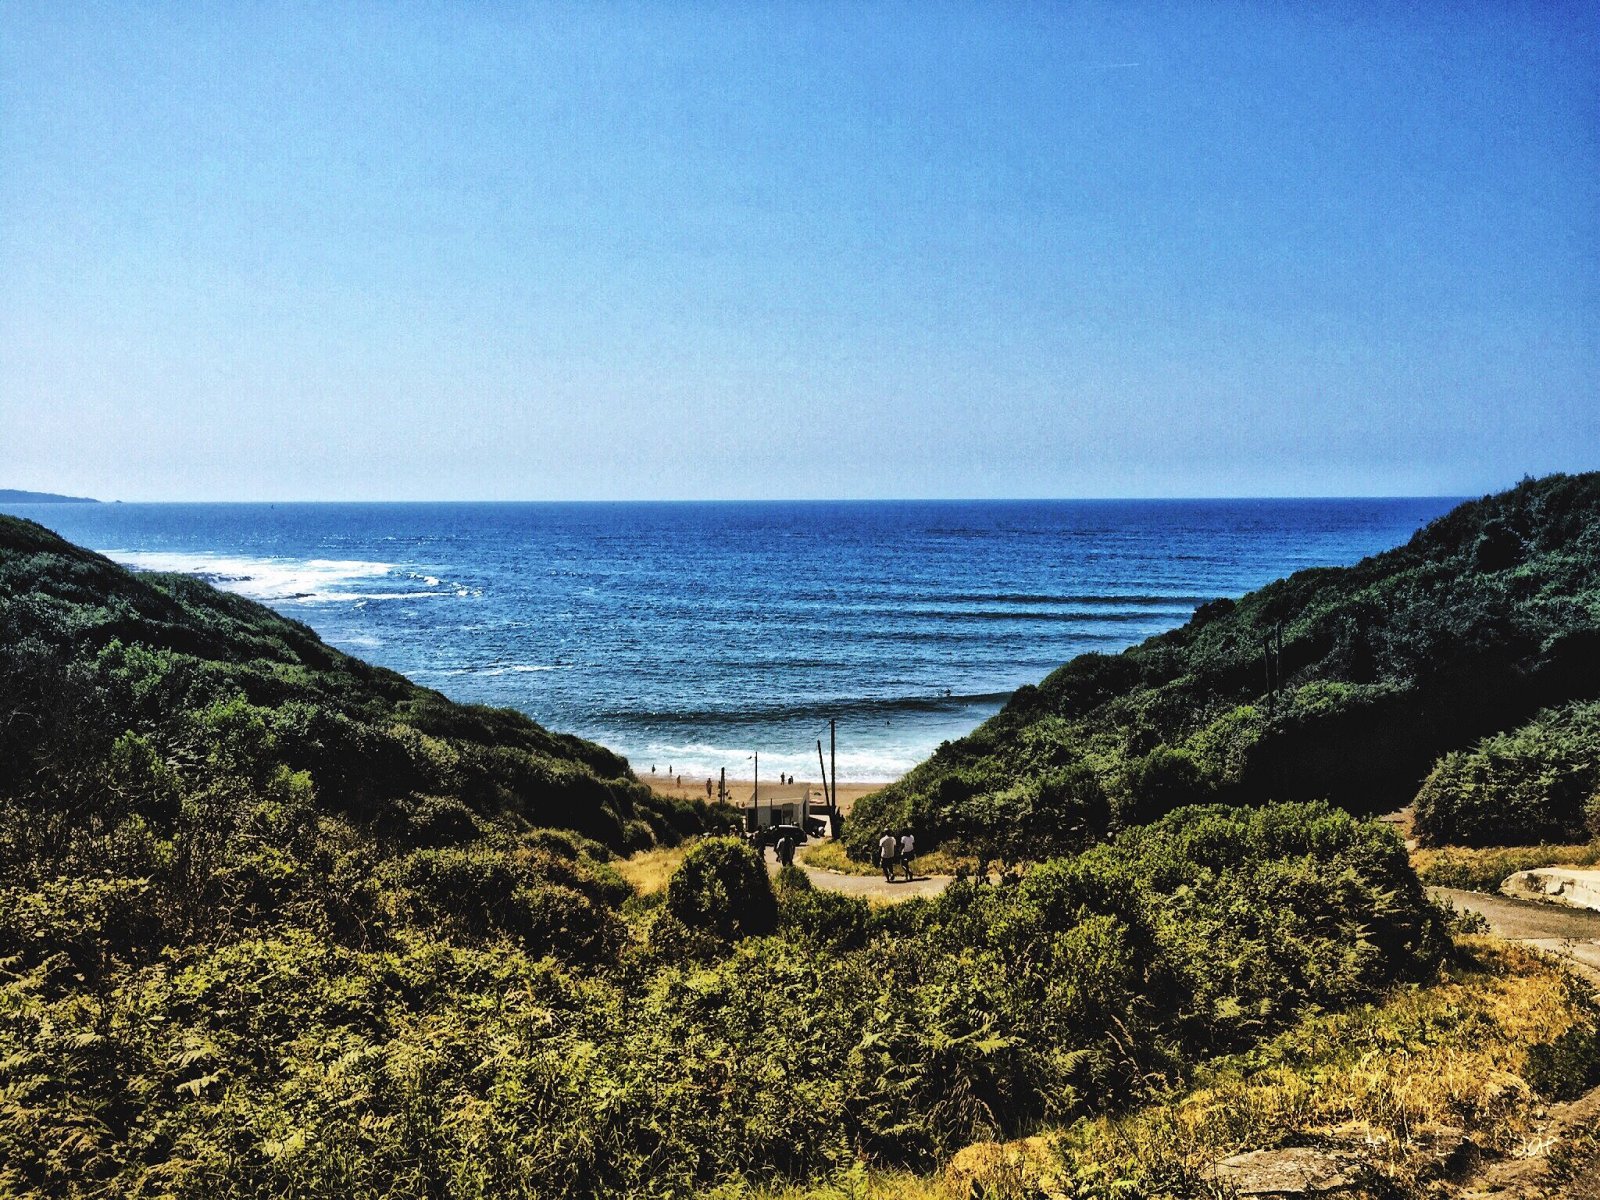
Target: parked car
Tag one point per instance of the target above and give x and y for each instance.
(770, 836)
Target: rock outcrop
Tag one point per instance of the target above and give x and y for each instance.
(1575, 886)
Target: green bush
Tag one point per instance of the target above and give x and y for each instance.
(1567, 1067)
(721, 888)
(1538, 782)
(479, 896)
(827, 921)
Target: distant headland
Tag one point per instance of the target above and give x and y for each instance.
(13, 496)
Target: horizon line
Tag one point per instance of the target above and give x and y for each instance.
(1125, 499)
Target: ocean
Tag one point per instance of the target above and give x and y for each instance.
(692, 636)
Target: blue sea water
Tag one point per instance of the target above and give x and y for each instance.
(692, 636)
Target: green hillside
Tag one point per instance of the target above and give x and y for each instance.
(1344, 684)
(128, 696)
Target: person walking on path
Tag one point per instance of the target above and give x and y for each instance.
(888, 847)
(908, 851)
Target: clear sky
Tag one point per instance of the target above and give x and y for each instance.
(496, 251)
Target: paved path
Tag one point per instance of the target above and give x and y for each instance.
(1522, 919)
(868, 887)
(875, 887)
(1573, 933)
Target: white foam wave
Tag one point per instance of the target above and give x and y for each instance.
(496, 669)
(260, 578)
(346, 597)
(293, 581)
(700, 760)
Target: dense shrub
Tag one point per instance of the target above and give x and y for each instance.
(721, 888)
(1538, 782)
(481, 895)
(446, 1056)
(827, 921)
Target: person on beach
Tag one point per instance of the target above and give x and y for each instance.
(887, 846)
(908, 851)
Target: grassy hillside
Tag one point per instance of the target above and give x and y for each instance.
(1340, 683)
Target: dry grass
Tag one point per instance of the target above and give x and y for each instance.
(649, 870)
(857, 1183)
(1484, 869)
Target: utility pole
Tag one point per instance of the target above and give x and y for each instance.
(833, 766)
(825, 796)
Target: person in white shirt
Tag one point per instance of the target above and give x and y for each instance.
(908, 850)
(887, 847)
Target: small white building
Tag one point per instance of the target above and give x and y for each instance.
(779, 804)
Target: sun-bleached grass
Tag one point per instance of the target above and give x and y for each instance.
(649, 870)
(855, 1183)
(830, 856)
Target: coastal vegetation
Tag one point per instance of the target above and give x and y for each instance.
(487, 1022)
(1540, 780)
(277, 922)
(1347, 684)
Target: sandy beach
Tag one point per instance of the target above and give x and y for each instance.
(739, 790)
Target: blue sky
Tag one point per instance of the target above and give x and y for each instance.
(386, 251)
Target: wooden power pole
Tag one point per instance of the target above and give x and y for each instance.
(833, 771)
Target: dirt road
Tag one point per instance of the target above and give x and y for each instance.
(1522, 920)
